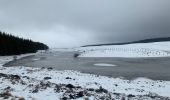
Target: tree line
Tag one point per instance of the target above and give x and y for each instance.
(12, 45)
(162, 39)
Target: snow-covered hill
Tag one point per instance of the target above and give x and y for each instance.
(156, 49)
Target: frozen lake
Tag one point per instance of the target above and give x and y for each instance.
(130, 68)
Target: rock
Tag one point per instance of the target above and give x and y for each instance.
(44, 85)
(123, 98)
(57, 88)
(64, 98)
(5, 95)
(10, 76)
(8, 89)
(21, 99)
(68, 78)
(90, 89)
(47, 78)
(78, 87)
(26, 77)
(101, 90)
(15, 77)
(76, 55)
(70, 86)
(72, 96)
(130, 96)
(80, 94)
(116, 85)
(117, 94)
(49, 68)
(35, 90)
(3, 75)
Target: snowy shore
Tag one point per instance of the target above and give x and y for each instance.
(156, 49)
(28, 83)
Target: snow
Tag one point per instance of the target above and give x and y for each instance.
(31, 86)
(61, 49)
(156, 49)
(104, 64)
(5, 59)
(36, 59)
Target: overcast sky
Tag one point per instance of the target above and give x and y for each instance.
(70, 23)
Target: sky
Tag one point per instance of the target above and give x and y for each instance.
(72, 23)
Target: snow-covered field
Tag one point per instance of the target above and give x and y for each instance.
(47, 84)
(156, 49)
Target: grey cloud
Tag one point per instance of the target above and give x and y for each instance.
(67, 23)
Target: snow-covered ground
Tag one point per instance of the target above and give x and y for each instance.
(5, 59)
(156, 49)
(28, 83)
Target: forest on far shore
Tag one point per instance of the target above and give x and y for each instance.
(12, 45)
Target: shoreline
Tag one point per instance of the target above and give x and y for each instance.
(86, 85)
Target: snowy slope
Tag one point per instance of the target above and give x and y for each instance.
(156, 49)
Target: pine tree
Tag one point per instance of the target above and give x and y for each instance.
(11, 45)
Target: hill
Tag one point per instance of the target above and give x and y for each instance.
(133, 50)
(140, 41)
